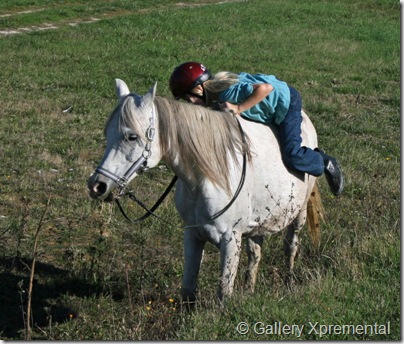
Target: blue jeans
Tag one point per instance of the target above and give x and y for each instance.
(296, 156)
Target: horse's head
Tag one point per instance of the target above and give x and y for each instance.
(132, 142)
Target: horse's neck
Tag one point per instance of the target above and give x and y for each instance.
(176, 166)
(188, 144)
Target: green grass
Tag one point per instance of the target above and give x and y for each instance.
(97, 276)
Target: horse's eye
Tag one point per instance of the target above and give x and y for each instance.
(132, 137)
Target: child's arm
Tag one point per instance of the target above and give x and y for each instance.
(259, 93)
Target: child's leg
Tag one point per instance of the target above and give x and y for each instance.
(295, 156)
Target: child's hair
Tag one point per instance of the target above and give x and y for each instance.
(220, 82)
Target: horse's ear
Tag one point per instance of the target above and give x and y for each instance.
(152, 91)
(121, 88)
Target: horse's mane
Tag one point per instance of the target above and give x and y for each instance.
(203, 139)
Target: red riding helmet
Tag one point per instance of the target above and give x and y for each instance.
(187, 76)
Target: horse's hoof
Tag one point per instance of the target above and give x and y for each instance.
(188, 299)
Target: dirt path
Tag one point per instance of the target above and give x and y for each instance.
(59, 24)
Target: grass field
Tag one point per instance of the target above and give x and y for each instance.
(95, 276)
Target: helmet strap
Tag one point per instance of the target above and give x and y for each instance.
(203, 96)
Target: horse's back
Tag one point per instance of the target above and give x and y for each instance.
(309, 134)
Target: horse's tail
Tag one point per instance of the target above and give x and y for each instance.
(315, 214)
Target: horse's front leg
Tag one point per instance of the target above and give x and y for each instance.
(230, 247)
(193, 251)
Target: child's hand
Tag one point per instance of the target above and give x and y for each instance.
(229, 107)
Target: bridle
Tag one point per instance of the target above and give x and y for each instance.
(141, 164)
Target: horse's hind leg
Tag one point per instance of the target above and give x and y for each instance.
(291, 244)
(253, 248)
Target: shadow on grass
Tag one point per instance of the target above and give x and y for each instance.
(50, 283)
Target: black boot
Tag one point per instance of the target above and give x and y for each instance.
(333, 173)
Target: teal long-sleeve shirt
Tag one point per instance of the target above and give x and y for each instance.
(272, 108)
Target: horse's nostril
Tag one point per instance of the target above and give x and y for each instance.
(100, 188)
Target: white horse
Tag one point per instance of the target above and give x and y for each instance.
(204, 148)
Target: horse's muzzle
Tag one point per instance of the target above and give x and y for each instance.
(100, 189)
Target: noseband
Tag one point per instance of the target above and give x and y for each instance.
(140, 164)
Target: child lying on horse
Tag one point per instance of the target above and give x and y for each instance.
(261, 98)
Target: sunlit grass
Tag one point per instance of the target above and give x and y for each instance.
(99, 277)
